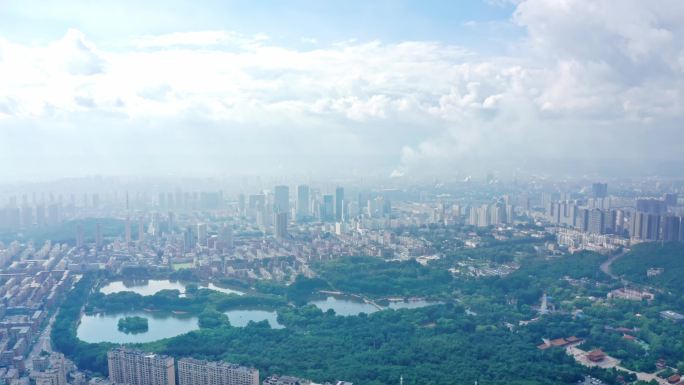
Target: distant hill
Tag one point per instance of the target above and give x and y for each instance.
(668, 256)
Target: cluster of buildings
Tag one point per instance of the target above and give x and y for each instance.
(25, 303)
(134, 367)
(33, 281)
(602, 224)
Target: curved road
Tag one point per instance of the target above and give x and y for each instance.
(605, 266)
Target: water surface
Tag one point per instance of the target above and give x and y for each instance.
(104, 327)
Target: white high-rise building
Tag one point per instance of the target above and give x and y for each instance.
(133, 367)
(200, 372)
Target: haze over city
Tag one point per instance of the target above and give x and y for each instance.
(360, 192)
(343, 88)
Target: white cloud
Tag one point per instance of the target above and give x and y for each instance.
(586, 70)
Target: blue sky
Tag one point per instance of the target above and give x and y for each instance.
(346, 88)
(471, 23)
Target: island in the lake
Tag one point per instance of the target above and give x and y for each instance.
(133, 325)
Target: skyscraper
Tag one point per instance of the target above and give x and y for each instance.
(303, 202)
(339, 204)
(281, 199)
(133, 367)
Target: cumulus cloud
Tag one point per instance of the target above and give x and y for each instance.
(587, 76)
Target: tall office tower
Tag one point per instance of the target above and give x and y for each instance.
(281, 225)
(79, 236)
(162, 200)
(96, 201)
(599, 190)
(141, 228)
(671, 228)
(200, 372)
(202, 234)
(596, 222)
(133, 367)
(281, 199)
(339, 204)
(226, 239)
(328, 208)
(98, 235)
(127, 230)
(303, 202)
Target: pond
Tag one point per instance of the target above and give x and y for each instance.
(240, 318)
(104, 327)
(346, 305)
(153, 286)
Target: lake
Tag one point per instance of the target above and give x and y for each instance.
(103, 327)
(153, 286)
(346, 306)
(240, 318)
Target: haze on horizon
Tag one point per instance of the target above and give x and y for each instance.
(339, 88)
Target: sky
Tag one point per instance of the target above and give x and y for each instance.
(366, 88)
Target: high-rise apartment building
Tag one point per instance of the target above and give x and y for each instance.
(596, 224)
(328, 208)
(133, 367)
(200, 372)
(280, 225)
(599, 190)
(671, 228)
